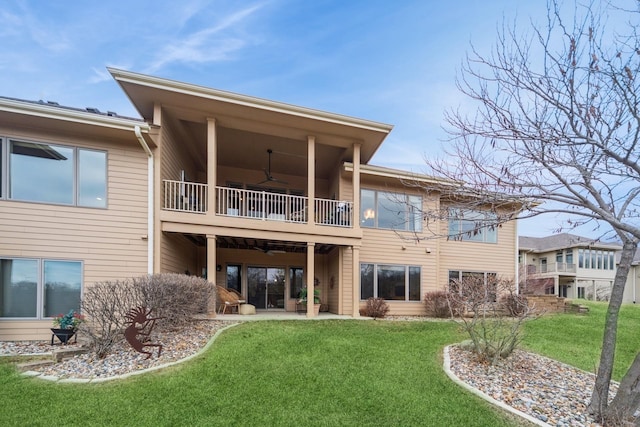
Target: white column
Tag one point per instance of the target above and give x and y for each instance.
(311, 179)
(355, 257)
(212, 165)
(310, 278)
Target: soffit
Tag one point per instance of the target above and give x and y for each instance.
(194, 103)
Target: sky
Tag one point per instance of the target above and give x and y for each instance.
(389, 61)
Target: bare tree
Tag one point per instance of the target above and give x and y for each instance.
(558, 121)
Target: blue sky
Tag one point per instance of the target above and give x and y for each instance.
(388, 61)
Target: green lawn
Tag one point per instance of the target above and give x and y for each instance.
(577, 339)
(309, 373)
(302, 373)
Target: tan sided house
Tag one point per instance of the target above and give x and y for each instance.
(568, 266)
(256, 195)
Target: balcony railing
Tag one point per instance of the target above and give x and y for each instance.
(236, 202)
(280, 207)
(260, 205)
(185, 196)
(558, 267)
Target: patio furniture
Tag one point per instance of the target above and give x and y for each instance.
(229, 298)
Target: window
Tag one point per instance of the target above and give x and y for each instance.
(568, 256)
(234, 278)
(395, 211)
(474, 226)
(391, 282)
(460, 281)
(35, 288)
(296, 278)
(596, 259)
(559, 257)
(57, 174)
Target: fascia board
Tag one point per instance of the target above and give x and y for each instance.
(59, 113)
(247, 101)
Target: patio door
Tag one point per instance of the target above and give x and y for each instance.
(265, 287)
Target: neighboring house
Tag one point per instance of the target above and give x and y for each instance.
(253, 194)
(567, 265)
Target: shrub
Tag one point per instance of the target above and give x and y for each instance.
(514, 305)
(440, 304)
(492, 335)
(376, 308)
(105, 305)
(173, 297)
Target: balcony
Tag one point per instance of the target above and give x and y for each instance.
(559, 267)
(191, 197)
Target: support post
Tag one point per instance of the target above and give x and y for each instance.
(355, 280)
(310, 278)
(212, 166)
(211, 267)
(311, 179)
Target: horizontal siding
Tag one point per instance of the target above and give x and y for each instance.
(109, 242)
(497, 257)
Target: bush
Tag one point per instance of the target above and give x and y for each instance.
(440, 304)
(514, 305)
(493, 336)
(173, 297)
(105, 305)
(376, 308)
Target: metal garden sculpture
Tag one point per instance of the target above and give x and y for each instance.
(140, 324)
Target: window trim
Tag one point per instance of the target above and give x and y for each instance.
(484, 273)
(484, 230)
(5, 171)
(407, 274)
(40, 285)
(413, 218)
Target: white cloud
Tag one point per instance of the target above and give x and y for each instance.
(207, 45)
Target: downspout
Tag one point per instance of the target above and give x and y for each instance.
(150, 190)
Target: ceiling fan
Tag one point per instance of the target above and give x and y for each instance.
(268, 176)
(268, 251)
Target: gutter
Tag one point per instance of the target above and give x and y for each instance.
(150, 192)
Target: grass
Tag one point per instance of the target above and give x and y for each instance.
(577, 339)
(324, 373)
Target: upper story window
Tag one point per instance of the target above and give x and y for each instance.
(471, 225)
(596, 259)
(394, 211)
(48, 173)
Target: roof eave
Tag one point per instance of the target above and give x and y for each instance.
(57, 113)
(248, 101)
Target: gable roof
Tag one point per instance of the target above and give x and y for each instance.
(561, 241)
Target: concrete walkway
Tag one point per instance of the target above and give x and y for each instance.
(280, 315)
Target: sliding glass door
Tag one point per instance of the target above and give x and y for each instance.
(265, 286)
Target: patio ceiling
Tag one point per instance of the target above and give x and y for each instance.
(274, 246)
